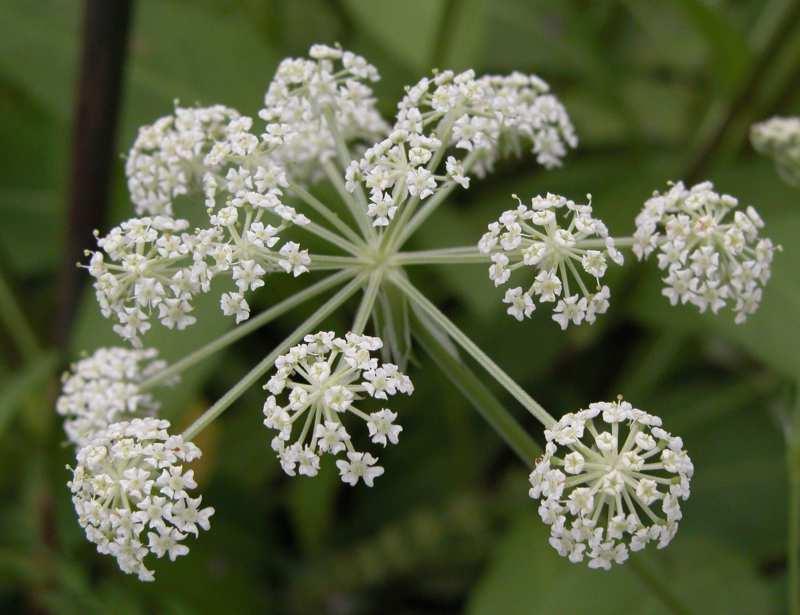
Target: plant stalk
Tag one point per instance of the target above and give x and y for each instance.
(330, 237)
(489, 407)
(224, 402)
(16, 323)
(431, 204)
(793, 534)
(472, 349)
(245, 329)
(357, 208)
(367, 302)
(323, 210)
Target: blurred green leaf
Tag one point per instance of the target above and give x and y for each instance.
(729, 48)
(406, 30)
(38, 49)
(769, 334)
(527, 576)
(470, 385)
(310, 503)
(27, 382)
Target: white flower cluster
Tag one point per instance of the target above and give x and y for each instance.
(152, 265)
(167, 157)
(484, 117)
(104, 389)
(300, 95)
(561, 252)
(779, 138)
(131, 493)
(610, 488)
(709, 262)
(324, 379)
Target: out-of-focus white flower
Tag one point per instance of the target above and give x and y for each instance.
(485, 117)
(567, 249)
(322, 381)
(132, 493)
(158, 267)
(610, 482)
(104, 389)
(332, 81)
(779, 138)
(712, 253)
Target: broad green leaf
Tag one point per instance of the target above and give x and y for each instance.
(406, 30)
(39, 43)
(737, 448)
(728, 47)
(311, 505)
(771, 334)
(28, 382)
(470, 385)
(527, 576)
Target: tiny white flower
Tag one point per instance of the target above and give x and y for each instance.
(359, 466)
(382, 428)
(234, 304)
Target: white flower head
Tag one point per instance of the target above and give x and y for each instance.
(466, 123)
(132, 493)
(779, 138)
(610, 482)
(150, 266)
(104, 388)
(321, 382)
(166, 160)
(305, 94)
(568, 251)
(143, 268)
(713, 255)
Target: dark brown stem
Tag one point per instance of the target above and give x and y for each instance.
(106, 25)
(705, 153)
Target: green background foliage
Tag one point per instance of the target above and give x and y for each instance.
(449, 527)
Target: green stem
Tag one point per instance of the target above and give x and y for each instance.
(368, 301)
(16, 324)
(320, 262)
(657, 586)
(392, 241)
(245, 329)
(722, 116)
(510, 430)
(224, 402)
(471, 255)
(330, 237)
(482, 399)
(357, 209)
(459, 255)
(27, 383)
(619, 242)
(472, 349)
(793, 535)
(323, 210)
(431, 205)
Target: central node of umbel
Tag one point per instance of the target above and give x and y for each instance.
(610, 482)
